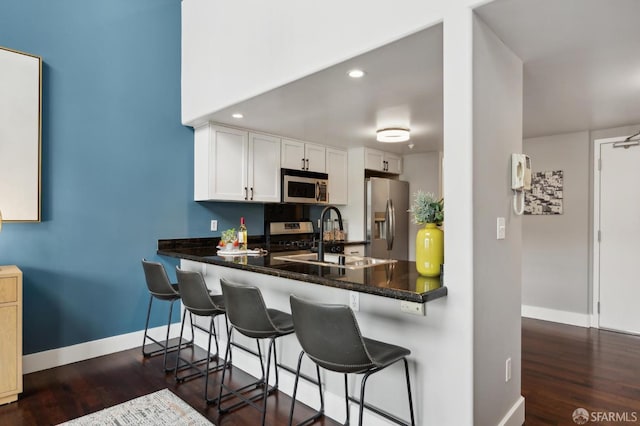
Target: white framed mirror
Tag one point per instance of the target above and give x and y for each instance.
(20, 135)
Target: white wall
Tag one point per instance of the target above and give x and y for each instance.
(422, 171)
(233, 51)
(555, 252)
(497, 132)
(558, 250)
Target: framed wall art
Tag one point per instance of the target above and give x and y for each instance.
(20, 135)
(546, 195)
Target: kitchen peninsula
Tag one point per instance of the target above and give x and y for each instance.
(381, 297)
(398, 280)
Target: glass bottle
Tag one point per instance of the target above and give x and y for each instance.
(242, 235)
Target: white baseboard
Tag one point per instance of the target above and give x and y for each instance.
(69, 354)
(564, 317)
(515, 416)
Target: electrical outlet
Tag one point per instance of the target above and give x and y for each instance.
(412, 308)
(214, 225)
(354, 300)
(507, 370)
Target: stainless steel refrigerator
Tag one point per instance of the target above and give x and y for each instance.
(387, 218)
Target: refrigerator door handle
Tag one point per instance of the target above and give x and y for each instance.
(391, 224)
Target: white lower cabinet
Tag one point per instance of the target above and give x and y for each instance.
(235, 165)
(354, 250)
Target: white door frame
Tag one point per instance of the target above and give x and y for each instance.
(595, 315)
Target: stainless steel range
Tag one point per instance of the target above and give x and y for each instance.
(296, 236)
(289, 236)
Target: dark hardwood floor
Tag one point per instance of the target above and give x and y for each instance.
(563, 368)
(64, 393)
(566, 367)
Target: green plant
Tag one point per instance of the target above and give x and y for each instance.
(229, 235)
(426, 208)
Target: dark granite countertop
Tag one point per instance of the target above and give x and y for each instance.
(398, 280)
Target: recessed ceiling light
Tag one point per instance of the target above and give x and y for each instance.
(393, 134)
(356, 73)
(237, 115)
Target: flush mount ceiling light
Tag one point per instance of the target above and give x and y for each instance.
(393, 134)
(356, 73)
(237, 115)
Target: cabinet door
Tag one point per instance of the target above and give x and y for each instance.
(337, 164)
(292, 155)
(394, 163)
(8, 349)
(264, 168)
(373, 159)
(228, 159)
(10, 333)
(315, 157)
(355, 250)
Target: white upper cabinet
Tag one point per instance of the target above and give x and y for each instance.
(303, 156)
(315, 155)
(264, 168)
(394, 163)
(235, 165)
(373, 159)
(382, 161)
(337, 168)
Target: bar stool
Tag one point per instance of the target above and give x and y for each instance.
(198, 301)
(162, 289)
(249, 315)
(330, 336)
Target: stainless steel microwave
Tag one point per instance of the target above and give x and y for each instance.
(300, 186)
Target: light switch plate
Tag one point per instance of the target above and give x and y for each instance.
(214, 225)
(501, 229)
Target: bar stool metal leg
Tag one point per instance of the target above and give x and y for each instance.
(320, 412)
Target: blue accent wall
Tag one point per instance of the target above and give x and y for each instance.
(117, 165)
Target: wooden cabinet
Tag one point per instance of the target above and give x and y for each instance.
(303, 156)
(382, 161)
(10, 333)
(235, 165)
(337, 169)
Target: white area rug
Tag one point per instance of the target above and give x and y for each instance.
(158, 408)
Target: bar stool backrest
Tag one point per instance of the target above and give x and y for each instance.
(329, 334)
(195, 294)
(157, 280)
(246, 310)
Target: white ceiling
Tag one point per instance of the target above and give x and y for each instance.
(581, 71)
(581, 61)
(402, 87)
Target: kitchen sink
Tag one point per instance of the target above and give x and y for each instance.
(336, 260)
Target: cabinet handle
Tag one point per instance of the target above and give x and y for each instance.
(303, 164)
(245, 193)
(252, 192)
(307, 164)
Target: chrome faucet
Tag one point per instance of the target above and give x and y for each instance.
(326, 211)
